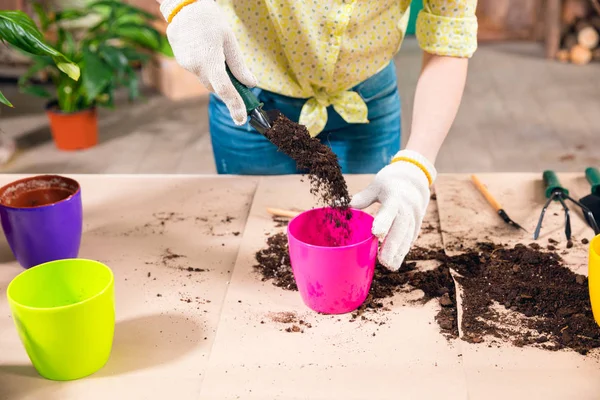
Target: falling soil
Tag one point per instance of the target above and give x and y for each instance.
(521, 295)
(320, 163)
(312, 156)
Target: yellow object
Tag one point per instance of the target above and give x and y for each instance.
(178, 8)
(416, 163)
(318, 50)
(278, 212)
(64, 312)
(486, 193)
(594, 277)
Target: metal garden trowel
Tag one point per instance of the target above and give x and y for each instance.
(257, 116)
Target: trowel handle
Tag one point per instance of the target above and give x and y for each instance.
(593, 176)
(250, 100)
(553, 184)
(486, 193)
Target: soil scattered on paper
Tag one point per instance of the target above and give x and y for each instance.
(521, 295)
(157, 226)
(296, 324)
(320, 163)
(168, 256)
(280, 222)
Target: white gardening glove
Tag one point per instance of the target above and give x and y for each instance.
(402, 188)
(202, 41)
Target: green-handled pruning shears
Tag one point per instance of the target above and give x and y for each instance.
(592, 200)
(258, 117)
(554, 191)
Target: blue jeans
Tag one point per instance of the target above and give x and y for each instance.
(361, 148)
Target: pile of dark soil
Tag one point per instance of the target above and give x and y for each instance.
(438, 283)
(539, 301)
(522, 295)
(274, 263)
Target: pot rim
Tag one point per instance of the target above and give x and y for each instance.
(44, 176)
(52, 107)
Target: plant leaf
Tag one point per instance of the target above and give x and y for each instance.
(4, 100)
(113, 56)
(70, 14)
(131, 19)
(108, 98)
(25, 85)
(72, 70)
(67, 95)
(115, 59)
(133, 84)
(140, 35)
(39, 64)
(122, 8)
(20, 31)
(42, 15)
(134, 56)
(66, 42)
(165, 48)
(97, 75)
(36, 91)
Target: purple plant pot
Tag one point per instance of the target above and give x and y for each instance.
(42, 218)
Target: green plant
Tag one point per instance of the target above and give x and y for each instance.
(106, 54)
(21, 32)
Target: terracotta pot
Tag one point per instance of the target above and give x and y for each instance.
(73, 131)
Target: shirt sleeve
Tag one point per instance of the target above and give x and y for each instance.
(448, 27)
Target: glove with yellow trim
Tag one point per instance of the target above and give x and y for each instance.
(202, 41)
(402, 189)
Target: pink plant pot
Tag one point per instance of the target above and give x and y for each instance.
(332, 280)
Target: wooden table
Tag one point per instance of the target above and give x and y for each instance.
(215, 346)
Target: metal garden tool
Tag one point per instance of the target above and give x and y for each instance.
(494, 203)
(592, 201)
(257, 116)
(554, 191)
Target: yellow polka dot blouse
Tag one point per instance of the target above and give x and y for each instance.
(318, 50)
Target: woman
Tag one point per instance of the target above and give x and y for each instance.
(328, 65)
